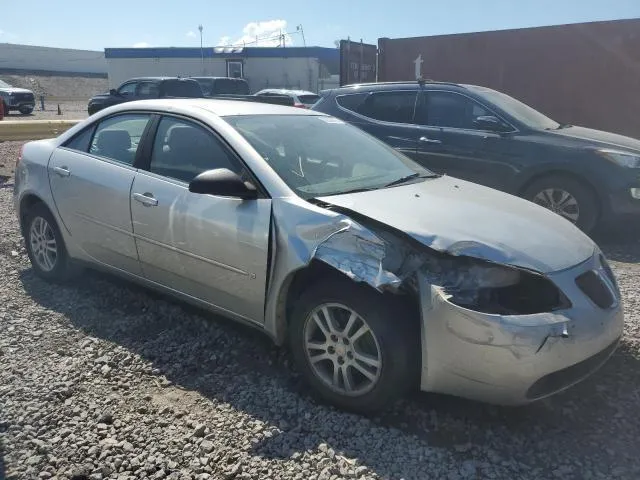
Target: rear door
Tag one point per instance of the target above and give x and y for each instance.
(450, 141)
(91, 178)
(211, 248)
(387, 115)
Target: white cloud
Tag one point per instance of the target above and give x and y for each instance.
(141, 45)
(260, 34)
(191, 34)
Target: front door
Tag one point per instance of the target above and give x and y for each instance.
(91, 178)
(451, 142)
(211, 248)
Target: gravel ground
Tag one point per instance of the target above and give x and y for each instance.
(101, 379)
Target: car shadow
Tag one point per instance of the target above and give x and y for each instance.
(229, 363)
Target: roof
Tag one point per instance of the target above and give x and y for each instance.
(408, 85)
(221, 108)
(322, 53)
(286, 91)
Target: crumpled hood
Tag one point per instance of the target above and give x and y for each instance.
(15, 90)
(463, 218)
(598, 138)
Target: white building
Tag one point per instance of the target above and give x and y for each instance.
(307, 68)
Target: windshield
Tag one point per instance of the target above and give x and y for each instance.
(4, 84)
(520, 111)
(318, 155)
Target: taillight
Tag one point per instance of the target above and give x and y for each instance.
(300, 105)
(19, 159)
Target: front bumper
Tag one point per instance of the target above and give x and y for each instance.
(15, 103)
(516, 359)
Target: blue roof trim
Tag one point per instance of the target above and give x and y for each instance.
(321, 53)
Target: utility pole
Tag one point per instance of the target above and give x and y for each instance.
(201, 49)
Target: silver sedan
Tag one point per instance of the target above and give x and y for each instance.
(381, 276)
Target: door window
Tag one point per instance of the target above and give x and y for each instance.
(396, 107)
(148, 90)
(128, 89)
(451, 110)
(81, 141)
(118, 137)
(182, 150)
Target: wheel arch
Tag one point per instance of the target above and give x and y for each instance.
(27, 202)
(317, 271)
(561, 173)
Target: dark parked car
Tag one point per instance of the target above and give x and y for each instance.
(146, 88)
(487, 137)
(14, 98)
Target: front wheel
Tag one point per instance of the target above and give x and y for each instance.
(354, 346)
(26, 110)
(568, 197)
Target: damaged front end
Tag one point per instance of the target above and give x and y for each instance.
(488, 330)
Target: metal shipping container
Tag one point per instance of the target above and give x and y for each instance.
(585, 74)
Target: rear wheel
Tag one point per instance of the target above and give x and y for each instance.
(353, 345)
(45, 245)
(26, 110)
(568, 197)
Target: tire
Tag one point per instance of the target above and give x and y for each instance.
(26, 110)
(586, 212)
(391, 335)
(61, 268)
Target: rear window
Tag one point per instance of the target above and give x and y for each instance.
(181, 88)
(229, 86)
(309, 99)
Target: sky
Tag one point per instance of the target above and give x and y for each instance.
(165, 23)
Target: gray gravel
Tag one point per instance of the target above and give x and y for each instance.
(103, 380)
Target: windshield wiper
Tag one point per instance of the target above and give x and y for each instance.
(406, 178)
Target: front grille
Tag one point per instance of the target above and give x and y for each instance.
(566, 377)
(594, 288)
(23, 97)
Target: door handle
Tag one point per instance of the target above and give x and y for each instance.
(146, 199)
(429, 140)
(62, 171)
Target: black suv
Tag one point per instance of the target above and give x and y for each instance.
(487, 137)
(144, 88)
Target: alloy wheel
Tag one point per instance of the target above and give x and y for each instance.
(43, 244)
(342, 349)
(560, 202)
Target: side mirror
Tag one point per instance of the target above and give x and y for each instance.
(224, 183)
(113, 92)
(489, 122)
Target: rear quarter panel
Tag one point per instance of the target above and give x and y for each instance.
(31, 176)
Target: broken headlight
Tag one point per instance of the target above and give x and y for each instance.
(491, 288)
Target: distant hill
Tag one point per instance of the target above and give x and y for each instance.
(58, 85)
